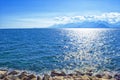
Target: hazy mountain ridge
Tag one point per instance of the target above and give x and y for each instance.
(88, 24)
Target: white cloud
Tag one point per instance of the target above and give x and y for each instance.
(44, 22)
(112, 17)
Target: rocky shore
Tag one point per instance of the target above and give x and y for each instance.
(54, 75)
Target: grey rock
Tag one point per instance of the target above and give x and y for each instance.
(117, 76)
(46, 77)
(39, 78)
(54, 73)
(1, 76)
(6, 78)
(22, 75)
(13, 72)
(99, 75)
(3, 71)
(31, 76)
(89, 74)
(78, 73)
(107, 76)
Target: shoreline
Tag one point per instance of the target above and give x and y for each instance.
(55, 75)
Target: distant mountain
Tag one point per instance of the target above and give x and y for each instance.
(88, 24)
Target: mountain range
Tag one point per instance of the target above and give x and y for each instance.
(88, 24)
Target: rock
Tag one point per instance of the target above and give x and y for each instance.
(25, 78)
(22, 75)
(94, 78)
(54, 73)
(31, 76)
(63, 73)
(117, 76)
(107, 76)
(89, 74)
(3, 71)
(1, 76)
(58, 78)
(39, 78)
(15, 72)
(6, 78)
(72, 75)
(78, 73)
(77, 78)
(68, 78)
(13, 77)
(85, 77)
(46, 77)
(99, 75)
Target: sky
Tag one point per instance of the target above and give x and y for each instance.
(45, 13)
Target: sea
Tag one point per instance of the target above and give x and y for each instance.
(63, 49)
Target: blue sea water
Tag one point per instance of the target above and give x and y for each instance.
(41, 50)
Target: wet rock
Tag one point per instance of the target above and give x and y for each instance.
(94, 78)
(6, 78)
(39, 78)
(12, 77)
(3, 71)
(15, 72)
(99, 75)
(58, 78)
(89, 74)
(25, 78)
(31, 76)
(71, 74)
(78, 73)
(85, 77)
(46, 77)
(22, 75)
(63, 73)
(117, 76)
(77, 78)
(54, 73)
(1, 76)
(107, 76)
(68, 78)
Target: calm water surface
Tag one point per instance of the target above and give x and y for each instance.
(41, 50)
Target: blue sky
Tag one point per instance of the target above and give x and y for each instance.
(43, 13)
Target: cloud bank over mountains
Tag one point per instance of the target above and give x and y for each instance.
(104, 20)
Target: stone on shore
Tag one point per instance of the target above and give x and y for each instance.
(15, 72)
(78, 73)
(46, 77)
(31, 76)
(107, 76)
(23, 75)
(117, 76)
(3, 71)
(17, 75)
(99, 75)
(39, 78)
(54, 73)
